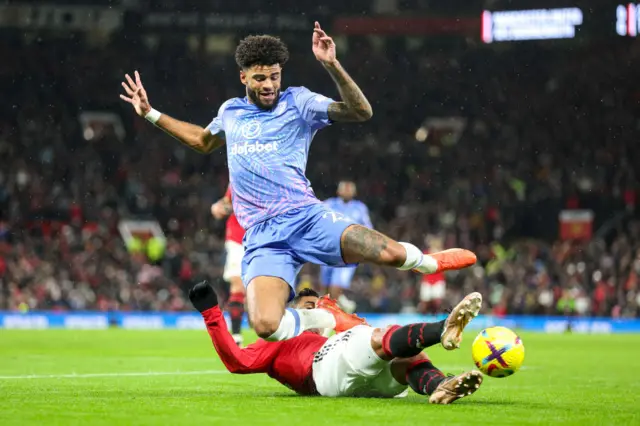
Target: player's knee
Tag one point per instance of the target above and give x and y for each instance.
(265, 327)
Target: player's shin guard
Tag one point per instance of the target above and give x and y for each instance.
(410, 340)
(424, 377)
(236, 311)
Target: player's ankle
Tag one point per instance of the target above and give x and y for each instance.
(416, 260)
(424, 378)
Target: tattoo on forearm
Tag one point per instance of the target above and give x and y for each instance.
(354, 105)
(360, 244)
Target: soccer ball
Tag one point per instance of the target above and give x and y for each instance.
(498, 352)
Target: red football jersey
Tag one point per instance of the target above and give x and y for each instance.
(234, 231)
(287, 361)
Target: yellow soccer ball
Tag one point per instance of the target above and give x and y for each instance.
(498, 352)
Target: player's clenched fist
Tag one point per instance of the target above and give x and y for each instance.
(203, 296)
(136, 95)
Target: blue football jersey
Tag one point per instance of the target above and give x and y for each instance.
(267, 152)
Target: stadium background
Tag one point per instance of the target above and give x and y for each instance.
(477, 145)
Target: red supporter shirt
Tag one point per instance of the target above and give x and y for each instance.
(234, 231)
(287, 361)
(433, 279)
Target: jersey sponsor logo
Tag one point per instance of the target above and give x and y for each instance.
(251, 148)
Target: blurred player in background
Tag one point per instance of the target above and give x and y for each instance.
(234, 234)
(358, 361)
(432, 286)
(336, 280)
(268, 134)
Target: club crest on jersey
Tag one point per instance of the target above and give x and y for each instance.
(251, 129)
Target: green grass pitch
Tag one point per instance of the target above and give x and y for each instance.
(174, 378)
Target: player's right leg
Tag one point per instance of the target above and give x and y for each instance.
(267, 297)
(410, 340)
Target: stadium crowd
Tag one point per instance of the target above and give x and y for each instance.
(545, 129)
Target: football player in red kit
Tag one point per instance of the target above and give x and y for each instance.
(233, 264)
(358, 361)
(432, 286)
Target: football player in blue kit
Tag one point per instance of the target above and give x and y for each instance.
(267, 134)
(337, 279)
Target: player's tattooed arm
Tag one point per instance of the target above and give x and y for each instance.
(196, 137)
(354, 105)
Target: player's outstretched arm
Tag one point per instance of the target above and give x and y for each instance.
(354, 105)
(196, 137)
(255, 358)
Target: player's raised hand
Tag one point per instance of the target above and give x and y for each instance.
(137, 96)
(323, 46)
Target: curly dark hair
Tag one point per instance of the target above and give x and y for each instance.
(261, 50)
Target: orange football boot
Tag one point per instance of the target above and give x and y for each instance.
(344, 321)
(452, 259)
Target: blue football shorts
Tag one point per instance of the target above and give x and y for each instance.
(279, 246)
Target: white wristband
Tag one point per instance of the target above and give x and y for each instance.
(153, 116)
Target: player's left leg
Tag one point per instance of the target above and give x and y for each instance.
(328, 238)
(360, 244)
(426, 379)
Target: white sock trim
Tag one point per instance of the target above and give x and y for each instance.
(414, 257)
(316, 318)
(295, 321)
(289, 326)
(422, 263)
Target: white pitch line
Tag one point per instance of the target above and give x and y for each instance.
(156, 373)
(132, 374)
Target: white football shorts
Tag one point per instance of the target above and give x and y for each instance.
(347, 365)
(429, 292)
(233, 263)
